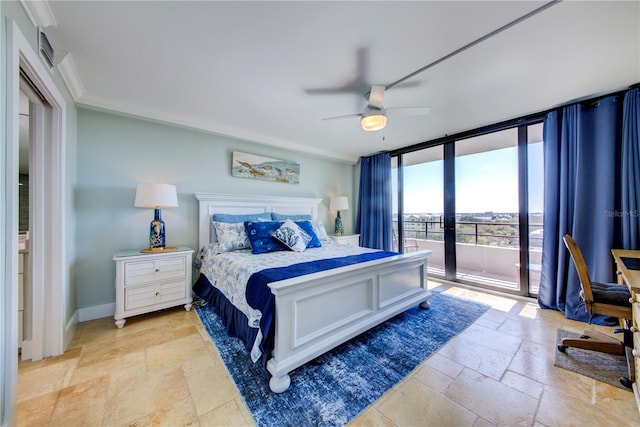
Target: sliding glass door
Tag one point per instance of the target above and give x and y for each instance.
(422, 202)
(476, 202)
(486, 195)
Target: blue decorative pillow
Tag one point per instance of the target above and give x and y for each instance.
(292, 236)
(282, 217)
(235, 218)
(259, 233)
(307, 227)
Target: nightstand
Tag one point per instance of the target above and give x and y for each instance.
(151, 281)
(346, 239)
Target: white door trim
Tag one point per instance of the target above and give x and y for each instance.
(48, 244)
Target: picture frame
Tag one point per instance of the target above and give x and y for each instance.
(252, 166)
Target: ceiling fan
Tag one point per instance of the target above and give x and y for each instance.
(374, 115)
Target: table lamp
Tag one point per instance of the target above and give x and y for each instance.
(337, 204)
(156, 196)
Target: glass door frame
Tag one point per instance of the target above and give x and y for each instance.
(448, 144)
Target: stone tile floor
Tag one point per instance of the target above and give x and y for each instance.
(162, 369)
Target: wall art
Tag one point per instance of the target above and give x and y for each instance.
(246, 165)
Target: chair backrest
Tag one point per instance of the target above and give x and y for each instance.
(581, 267)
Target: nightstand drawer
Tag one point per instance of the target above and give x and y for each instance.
(347, 239)
(143, 296)
(151, 270)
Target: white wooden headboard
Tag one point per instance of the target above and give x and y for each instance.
(210, 203)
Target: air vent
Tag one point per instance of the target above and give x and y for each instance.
(45, 48)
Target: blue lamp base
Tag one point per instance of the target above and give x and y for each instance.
(156, 232)
(339, 230)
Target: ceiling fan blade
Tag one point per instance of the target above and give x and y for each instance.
(408, 111)
(343, 117)
(405, 85)
(376, 97)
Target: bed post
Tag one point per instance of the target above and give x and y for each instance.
(280, 384)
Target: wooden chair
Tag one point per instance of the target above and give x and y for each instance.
(609, 299)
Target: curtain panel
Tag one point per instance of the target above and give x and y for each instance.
(374, 219)
(630, 214)
(591, 183)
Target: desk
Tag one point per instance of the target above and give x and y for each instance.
(631, 278)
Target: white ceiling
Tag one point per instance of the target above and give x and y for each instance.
(246, 69)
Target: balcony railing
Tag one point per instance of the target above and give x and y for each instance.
(503, 234)
(487, 252)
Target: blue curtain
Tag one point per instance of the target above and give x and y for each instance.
(374, 221)
(582, 145)
(630, 203)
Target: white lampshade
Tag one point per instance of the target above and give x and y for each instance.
(374, 121)
(339, 203)
(156, 196)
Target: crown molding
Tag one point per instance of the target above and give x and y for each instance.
(39, 13)
(155, 115)
(71, 78)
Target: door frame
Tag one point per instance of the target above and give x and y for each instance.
(48, 240)
(449, 209)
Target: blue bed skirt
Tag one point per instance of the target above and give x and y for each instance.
(234, 321)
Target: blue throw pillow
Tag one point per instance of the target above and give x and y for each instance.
(259, 233)
(234, 218)
(282, 217)
(307, 227)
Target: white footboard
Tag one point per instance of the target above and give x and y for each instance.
(317, 312)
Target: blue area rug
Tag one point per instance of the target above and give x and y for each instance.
(336, 387)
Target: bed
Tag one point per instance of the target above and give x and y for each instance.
(312, 312)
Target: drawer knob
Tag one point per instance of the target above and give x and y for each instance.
(157, 293)
(157, 269)
(631, 300)
(635, 352)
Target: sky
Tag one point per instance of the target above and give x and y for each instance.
(485, 182)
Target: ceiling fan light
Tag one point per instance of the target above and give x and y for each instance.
(373, 122)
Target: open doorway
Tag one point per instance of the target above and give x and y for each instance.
(24, 285)
(47, 235)
(34, 132)
(38, 312)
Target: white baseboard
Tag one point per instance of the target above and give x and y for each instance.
(96, 312)
(70, 330)
(25, 350)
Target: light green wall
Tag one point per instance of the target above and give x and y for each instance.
(116, 152)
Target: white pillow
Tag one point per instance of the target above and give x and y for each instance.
(321, 232)
(292, 236)
(231, 236)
